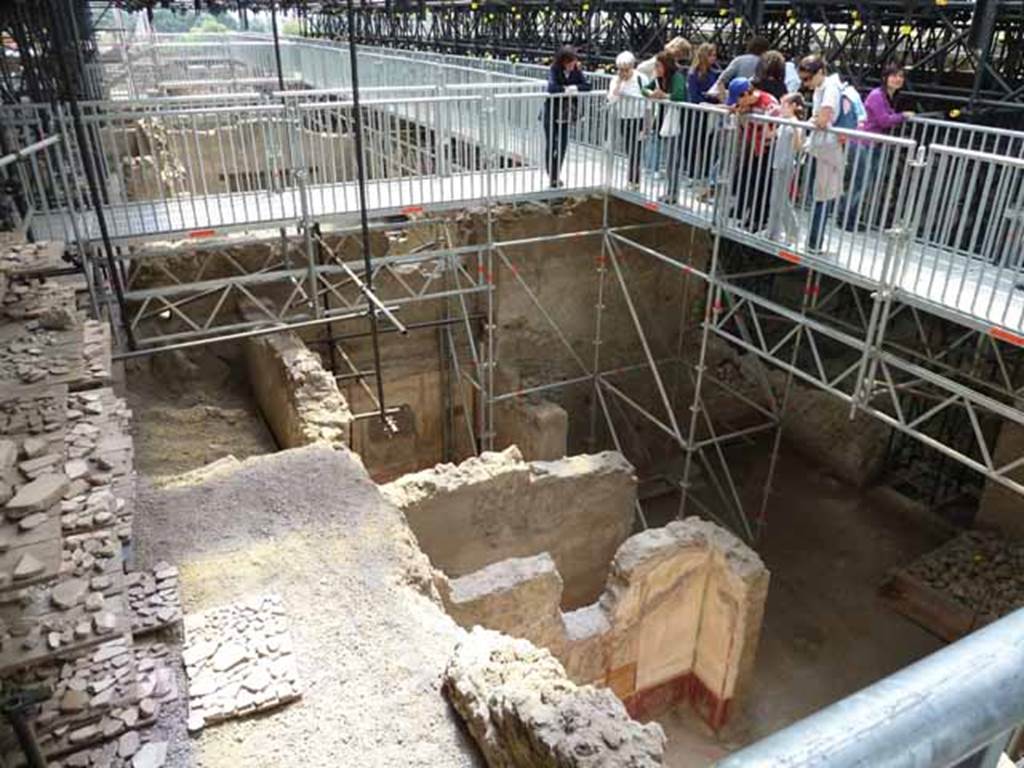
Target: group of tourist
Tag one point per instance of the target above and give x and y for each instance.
(758, 82)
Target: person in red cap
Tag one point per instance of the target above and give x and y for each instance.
(752, 180)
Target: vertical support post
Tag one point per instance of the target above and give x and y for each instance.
(710, 309)
(488, 363)
(298, 168)
(983, 26)
(812, 286)
(277, 47)
(333, 355)
(895, 262)
(718, 214)
(364, 223)
(62, 42)
(602, 271)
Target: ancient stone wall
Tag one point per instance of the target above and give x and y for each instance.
(298, 398)
(679, 618)
(1000, 507)
(524, 713)
(818, 424)
(489, 508)
(233, 158)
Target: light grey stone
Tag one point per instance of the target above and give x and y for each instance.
(197, 652)
(148, 708)
(8, 455)
(228, 655)
(34, 447)
(29, 522)
(37, 496)
(110, 726)
(151, 755)
(76, 469)
(104, 622)
(27, 567)
(196, 722)
(68, 594)
(95, 602)
(257, 680)
(128, 744)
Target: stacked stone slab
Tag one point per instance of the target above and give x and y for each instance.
(239, 660)
(66, 497)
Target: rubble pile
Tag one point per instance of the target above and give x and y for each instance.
(981, 570)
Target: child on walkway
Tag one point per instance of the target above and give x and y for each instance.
(782, 223)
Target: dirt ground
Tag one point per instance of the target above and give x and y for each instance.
(190, 409)
(826, 634)
(309, 525)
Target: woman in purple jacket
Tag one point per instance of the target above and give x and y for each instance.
(865, 156)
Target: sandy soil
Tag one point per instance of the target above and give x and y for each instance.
(192, 409)
(309, 525)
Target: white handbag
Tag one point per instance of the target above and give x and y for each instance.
(670, 123)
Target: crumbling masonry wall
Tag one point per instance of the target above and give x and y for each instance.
(298, 398)
(679, 619)
(497, 506)
(524, 713)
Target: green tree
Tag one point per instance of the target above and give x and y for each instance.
(166, 20)
(209, 26)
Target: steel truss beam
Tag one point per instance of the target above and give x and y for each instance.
(965, 53)
(880, 393)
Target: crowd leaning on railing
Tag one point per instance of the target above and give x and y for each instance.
(807, 147)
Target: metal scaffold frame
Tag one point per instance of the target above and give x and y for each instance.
(961, 52)
(856, 356)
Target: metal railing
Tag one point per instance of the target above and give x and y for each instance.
(859, 206)
(40, 186)
(969, 238)
(174, 63)
(853, 204)
(953, 709)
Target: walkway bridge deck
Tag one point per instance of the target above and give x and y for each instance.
(959, 254)
(930, 220)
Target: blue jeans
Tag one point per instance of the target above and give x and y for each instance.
(864, 160)
(819, 218)
(652, 152)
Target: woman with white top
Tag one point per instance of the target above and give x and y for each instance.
(626, 97)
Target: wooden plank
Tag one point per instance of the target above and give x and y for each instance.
(935, 611)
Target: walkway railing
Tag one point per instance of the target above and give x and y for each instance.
(40, 186)
(954, 709)
(859, 206)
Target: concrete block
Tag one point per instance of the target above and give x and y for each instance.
(539, 428)
(519, 596)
